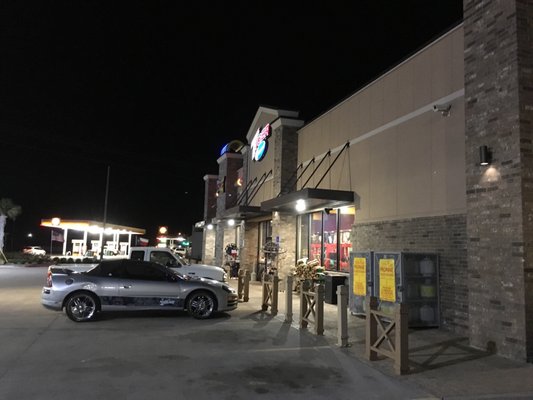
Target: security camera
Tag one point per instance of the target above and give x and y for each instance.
(443, 109)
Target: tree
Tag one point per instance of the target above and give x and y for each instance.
(10, 210)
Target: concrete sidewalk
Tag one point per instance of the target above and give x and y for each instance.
(440, 362)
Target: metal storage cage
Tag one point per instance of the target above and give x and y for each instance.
(361, 281)
(412, 278)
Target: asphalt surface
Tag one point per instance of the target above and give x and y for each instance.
(244, 354)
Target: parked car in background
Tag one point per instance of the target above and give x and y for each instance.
(133, 285)
(34, 250)
(167, 258)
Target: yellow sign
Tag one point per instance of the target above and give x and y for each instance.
(359, 276)
(387, 280)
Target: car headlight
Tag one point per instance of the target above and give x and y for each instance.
(228, 289)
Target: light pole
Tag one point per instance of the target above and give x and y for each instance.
(105, 211)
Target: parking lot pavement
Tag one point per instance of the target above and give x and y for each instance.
(168, 355)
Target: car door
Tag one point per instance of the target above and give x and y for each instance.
(149, 285)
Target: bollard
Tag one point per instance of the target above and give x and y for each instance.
(288, 300)
(342, 315)
(320, 291)
(275, 293)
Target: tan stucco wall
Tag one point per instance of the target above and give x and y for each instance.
(405, 160)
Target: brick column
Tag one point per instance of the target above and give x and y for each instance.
(499, 114)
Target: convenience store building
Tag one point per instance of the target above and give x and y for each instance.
(397, 167)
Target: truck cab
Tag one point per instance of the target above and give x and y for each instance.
(166, 257)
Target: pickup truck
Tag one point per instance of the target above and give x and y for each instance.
(166, 257)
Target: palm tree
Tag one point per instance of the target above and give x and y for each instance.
(10, 210)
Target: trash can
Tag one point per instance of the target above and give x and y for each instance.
(332, 280)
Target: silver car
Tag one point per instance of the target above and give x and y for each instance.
(130, 284)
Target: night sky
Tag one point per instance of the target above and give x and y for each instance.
(155, 89)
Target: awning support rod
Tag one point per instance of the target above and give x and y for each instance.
(333, 163)
(287, 185)
(245, 191)
(328, 154)
(259, 184)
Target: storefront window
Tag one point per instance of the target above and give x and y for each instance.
(346, 221)
(265, 235)
(303, 236)
(330, 240)
(316, 237)
(325, 236)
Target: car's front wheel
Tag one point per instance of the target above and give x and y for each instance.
(81, 307)
(201, 305)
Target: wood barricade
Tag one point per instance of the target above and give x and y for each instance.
(270, 293)
(388, 334)
(312, 306)
(243, 285)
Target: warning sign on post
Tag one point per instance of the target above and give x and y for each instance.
(387, 280)
(359, 276)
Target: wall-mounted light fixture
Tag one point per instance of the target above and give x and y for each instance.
(485, 155)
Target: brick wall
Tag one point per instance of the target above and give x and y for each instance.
(446, 236)
(499, 107)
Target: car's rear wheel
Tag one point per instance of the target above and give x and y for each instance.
(201, 305)
(81, 307)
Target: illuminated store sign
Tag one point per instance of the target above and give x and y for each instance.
(259, 143)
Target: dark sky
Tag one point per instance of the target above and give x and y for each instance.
(155, 89)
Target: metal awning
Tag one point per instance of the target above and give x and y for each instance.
(241, 212)
(312, 199)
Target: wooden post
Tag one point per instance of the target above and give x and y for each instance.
(288, 300)
(304, 287)
(266, 295)
(240, 281)
(275, 291)
(319, 305)
(247, 278)
(342, 315)
(401, 345)
(371, 327)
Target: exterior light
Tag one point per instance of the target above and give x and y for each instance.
(30, 235)
(210, 227)
(163, 230)
(231, 222)
(56, 221)
(485, 156)
(300, 205)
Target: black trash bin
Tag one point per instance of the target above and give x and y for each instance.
(332, 280)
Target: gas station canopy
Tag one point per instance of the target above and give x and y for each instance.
(91, 226)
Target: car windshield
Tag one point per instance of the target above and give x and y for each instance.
(182, 260)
